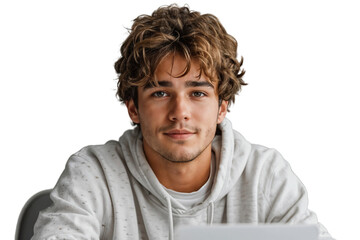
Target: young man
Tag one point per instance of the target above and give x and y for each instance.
(182, 163)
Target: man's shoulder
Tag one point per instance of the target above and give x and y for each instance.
(126, 140)
(98, 150)
(100, 155)
(260, 157)
(110, 157)
(257, 152)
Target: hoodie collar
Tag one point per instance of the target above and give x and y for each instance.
(231, 153)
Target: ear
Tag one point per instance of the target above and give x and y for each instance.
(222, 111)
(132, 111)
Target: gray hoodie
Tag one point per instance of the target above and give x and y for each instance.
(110, 192)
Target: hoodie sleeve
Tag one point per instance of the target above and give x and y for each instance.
(79, 200)
(287, 197)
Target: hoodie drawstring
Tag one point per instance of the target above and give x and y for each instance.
(210, 218)
(211, 215)
(171, 224)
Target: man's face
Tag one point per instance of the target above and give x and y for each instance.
(178, 118)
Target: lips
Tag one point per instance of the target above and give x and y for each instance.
(179, 134)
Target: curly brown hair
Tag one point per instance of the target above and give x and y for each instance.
(173, 29)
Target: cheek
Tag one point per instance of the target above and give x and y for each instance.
(151, 113)
(207, 111)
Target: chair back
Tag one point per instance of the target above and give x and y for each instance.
(30, 213)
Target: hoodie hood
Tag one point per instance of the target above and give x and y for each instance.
(231, 152)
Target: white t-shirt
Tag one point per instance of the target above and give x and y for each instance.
(189, 200)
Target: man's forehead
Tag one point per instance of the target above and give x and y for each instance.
(174, 67)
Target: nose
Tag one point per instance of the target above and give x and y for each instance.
(179, 109)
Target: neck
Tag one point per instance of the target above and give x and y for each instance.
(182, 176)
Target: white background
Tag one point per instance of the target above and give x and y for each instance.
(302, 58)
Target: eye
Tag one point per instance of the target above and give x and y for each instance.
(159, 94)
(198, 94)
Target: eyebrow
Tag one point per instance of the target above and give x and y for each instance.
(198, 84)
(187, 84)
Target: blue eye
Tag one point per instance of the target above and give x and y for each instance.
(159, 94)
(198, 94)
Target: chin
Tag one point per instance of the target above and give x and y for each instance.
(181, 156)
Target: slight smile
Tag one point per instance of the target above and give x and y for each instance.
(179, 134)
